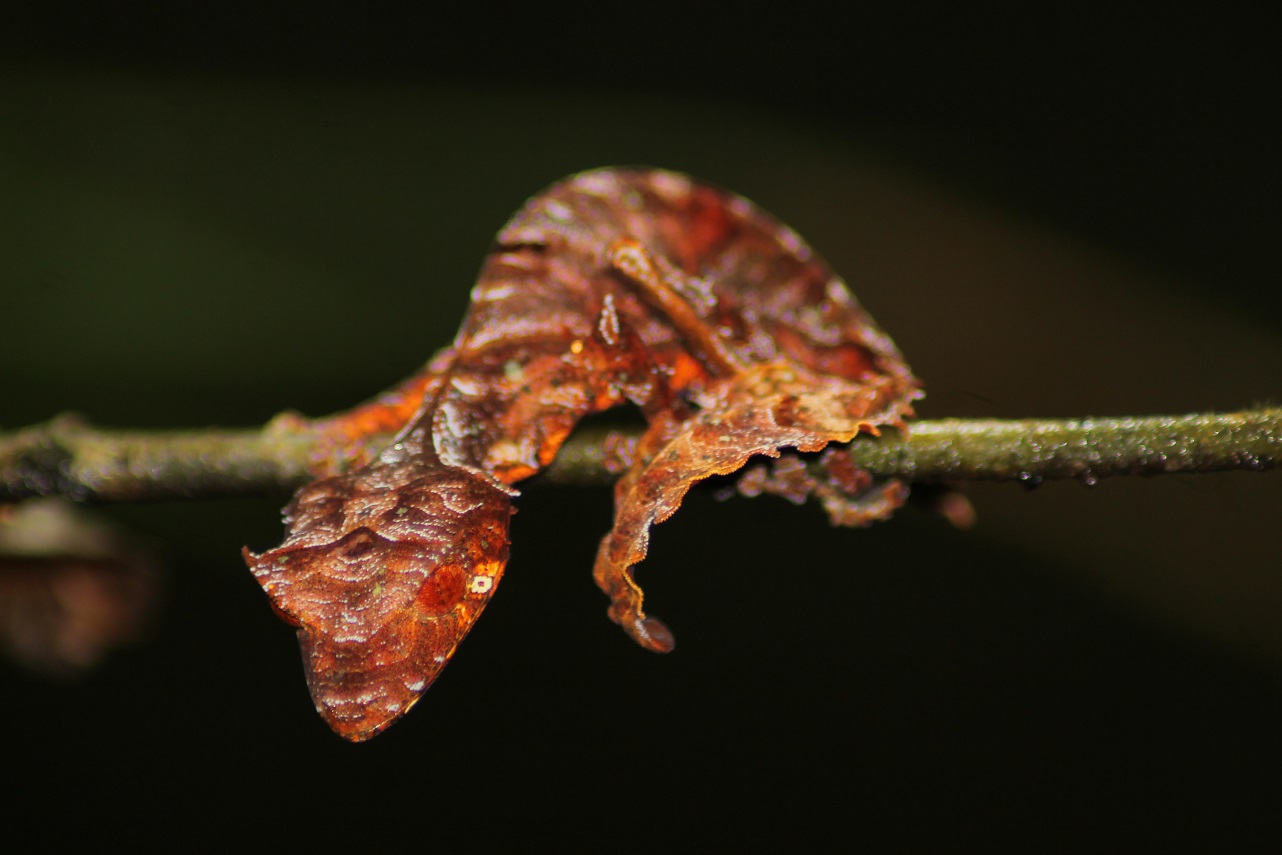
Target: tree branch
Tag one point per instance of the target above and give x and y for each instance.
(68, 457)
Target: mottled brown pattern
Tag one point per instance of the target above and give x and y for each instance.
(612, 286)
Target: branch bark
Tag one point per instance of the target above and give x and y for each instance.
(69, 457)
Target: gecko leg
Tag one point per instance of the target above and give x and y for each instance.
(849, 495)
(348, 440)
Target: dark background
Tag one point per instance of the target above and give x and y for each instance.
(213, 215)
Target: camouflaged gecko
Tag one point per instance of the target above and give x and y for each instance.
(613, 286)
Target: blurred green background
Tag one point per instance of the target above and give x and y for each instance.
(212, 215)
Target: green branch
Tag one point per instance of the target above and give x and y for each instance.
(70, 458)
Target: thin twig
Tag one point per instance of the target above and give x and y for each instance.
(1088, 449)
(71, 458)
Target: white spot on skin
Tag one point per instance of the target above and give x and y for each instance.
(838, 293)
(491, 293)
(559, 212)
(481, 584)
(601, 183)
(467, 386)
(456, 420)
(670, 185)
(608, 323)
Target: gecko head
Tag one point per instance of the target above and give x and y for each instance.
(384, 571)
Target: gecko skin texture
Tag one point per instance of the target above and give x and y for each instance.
(613, 286)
